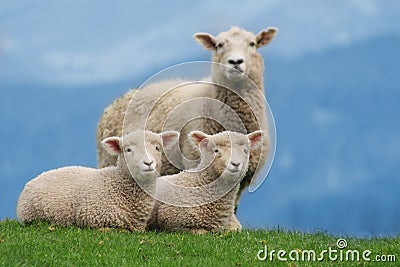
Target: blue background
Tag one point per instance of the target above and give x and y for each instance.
(332, 81)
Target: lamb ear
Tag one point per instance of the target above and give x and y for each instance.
(264, 37)
(206, 40)
(256, 139)
(169, 139)
(112, 145)
(197, 137)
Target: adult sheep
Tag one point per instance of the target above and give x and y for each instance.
(239, 67)
(107, 197)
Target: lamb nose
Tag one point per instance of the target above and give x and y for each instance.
(236, 164)
(235, 62)
(148, 163)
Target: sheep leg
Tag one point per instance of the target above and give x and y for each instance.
(233, 224)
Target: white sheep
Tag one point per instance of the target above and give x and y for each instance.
(108, 197)
(239, 67)
(203, 199)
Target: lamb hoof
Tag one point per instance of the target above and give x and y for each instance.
(233, 225)
(199, 231)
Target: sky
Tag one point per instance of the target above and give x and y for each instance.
(83, 42)
(330, 65)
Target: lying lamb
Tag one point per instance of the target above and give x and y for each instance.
(203, 199)
(108, 197)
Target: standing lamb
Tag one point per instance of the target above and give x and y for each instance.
(108, 197)
(238, 67)
(203, 199)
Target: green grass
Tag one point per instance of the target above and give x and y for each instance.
(41, 244)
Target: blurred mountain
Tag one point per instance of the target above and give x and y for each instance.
(338, 136)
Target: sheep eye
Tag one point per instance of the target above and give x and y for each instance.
(158, 148)
(219, 45)
(128, 150)
(252, 44)
(216, 150)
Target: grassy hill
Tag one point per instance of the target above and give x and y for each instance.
(42, 244)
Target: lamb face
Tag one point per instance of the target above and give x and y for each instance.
(140, 152)
(226, 153)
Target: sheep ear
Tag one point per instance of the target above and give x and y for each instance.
(169, 139)
(256, 139)
(206, 40)
(112, 145)
(197, 138)
(264, 37)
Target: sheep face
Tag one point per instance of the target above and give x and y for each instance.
(140, 152)
(226, 152)
(236, 51)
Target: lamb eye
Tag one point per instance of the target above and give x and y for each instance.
(220, 45)
(158, 148)
(128, 150)
(216, 150)
(252, 44)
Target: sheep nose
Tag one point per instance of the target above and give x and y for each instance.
(148, 163)
(235, 62)
(235, 164)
